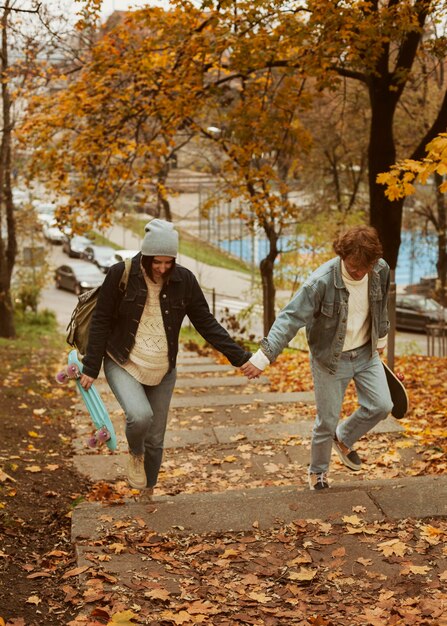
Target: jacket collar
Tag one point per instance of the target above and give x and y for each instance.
(338, 279)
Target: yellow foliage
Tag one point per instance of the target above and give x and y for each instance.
(398, 181)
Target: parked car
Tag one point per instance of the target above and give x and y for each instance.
(414, 312)
(53, 233)
(78, 276)
(75, 246)
(45, 211)
(122, 255)
(102, 256)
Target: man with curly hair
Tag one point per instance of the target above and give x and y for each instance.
(343, 307)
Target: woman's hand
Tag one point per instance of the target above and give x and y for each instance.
(250, 370)
(86, 381)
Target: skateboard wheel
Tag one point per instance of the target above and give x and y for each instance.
(72, 370)
(62, 377)
(103, 435)
(400, 376)
(92, 441)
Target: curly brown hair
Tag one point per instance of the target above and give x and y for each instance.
(361, 244)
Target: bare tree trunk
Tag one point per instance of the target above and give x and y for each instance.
(385, 215)
(8, 243)
(441, 264)
(163, 206)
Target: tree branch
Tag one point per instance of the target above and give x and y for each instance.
(36, 10)
(438, 126)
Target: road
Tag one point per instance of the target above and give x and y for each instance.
(63, 302)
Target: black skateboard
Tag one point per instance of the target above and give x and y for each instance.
(398, 393)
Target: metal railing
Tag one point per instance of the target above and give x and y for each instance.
(437, 339)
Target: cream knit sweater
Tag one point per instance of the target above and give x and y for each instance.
(148, 360)
(358, 330)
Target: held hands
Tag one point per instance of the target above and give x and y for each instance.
(86, 381)
(250, 370)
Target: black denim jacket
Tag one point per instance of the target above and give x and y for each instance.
(116, 317)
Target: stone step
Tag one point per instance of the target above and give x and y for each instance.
(261, 398)
(198, 368)
(191, 358)
(242, 510)
(219, 381)
(198, 460)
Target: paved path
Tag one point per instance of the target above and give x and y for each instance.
(252, 435)
(238, 466)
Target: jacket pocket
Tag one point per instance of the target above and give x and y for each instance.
(328, 316)
(327, 309)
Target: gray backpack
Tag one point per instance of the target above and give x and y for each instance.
(78, 327)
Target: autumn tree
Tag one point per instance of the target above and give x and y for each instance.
(11, 74)
(334, 173)
(262, 144)
(153, 82)
(114, 126)
(403, 179)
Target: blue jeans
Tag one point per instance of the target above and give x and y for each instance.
(146, 410)
(373, 396)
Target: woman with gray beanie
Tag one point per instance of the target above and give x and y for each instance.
(136, 335)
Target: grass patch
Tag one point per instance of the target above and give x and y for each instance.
(33, 330)
(188, 335)
(100, 240)
(193, 247)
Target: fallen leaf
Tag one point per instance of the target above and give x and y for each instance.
(52, 467)
(39, 575)
(303, 575)
(363, 561)
(176, 618)
(76, 571)
(4, 477)
(415, 569)
(354, 520)
(33, 469)
(393, 546)
(34, 600)
(259, 597)
(338, 552)
(157, 594)
(123, 618)
(32, 433)
(117, 547)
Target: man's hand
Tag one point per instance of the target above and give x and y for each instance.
(250, 370)
(86, 381)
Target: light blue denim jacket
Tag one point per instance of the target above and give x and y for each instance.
(321, 306)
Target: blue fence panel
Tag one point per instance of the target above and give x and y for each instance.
(417, 253)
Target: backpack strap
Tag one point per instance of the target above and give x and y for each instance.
(125, 276)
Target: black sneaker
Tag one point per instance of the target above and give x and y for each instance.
(318, 481)
(351, 459)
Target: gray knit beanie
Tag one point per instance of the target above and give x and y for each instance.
(161, 239)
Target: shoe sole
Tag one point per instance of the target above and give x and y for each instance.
(346, 461)
(136, 485)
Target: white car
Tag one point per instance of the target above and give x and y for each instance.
(53, 233)
(45, 212)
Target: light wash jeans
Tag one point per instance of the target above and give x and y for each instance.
(373, 396)
(146, 410)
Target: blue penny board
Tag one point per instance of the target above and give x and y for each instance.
(95, 406)
(398, 394)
